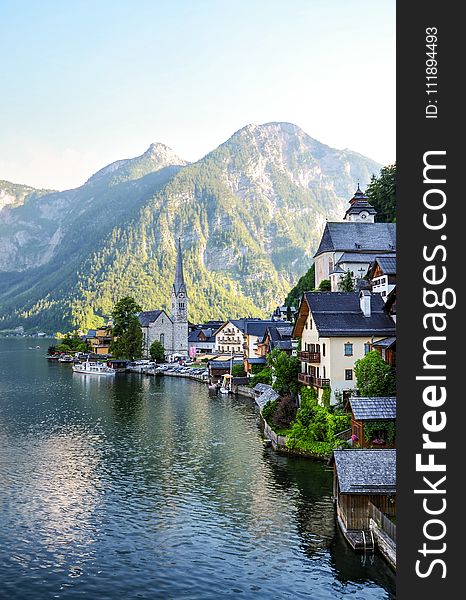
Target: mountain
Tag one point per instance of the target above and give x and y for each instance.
(14, 194)
(250, 214)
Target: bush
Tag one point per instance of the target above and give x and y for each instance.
(264, 376)
(269, 409)
(237, 371)
(285, 412)
(315, 424)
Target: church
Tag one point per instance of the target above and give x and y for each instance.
(170, 330)
(352, 245)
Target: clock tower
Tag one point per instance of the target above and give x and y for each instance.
(360, 210)
(179, 307)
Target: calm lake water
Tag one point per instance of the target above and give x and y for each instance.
(144, 487)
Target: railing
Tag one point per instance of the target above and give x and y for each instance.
(312, 357)
(343, 435)
(304, 378)
(319, 382)
(382, 521)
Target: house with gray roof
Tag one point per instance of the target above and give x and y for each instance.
(243, 335)
(373, 421)
(364, 484)
(382, 274)
(201, 341)
(352, 244)
(336, 329)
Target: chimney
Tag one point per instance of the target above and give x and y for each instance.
(365, 302)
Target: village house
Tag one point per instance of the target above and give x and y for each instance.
(373, 421)
(387, 350)
(100, 342)
(171, 331)
(364, 490)
(336, 329)
(242, 336)
(221, 365)
(201, 341)
(382, 274)
(351, 245)
(277, 336)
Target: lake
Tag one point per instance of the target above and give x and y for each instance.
(146, 487)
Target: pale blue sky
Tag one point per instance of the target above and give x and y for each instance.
(87, 82)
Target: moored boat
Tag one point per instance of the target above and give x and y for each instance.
(93, 368)
(66, 358)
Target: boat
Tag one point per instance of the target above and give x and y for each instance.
(93, 368)
(66, 358)
(52, 356)
(225, 388)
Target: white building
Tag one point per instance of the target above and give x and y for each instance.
(353, 244)
(336, 329)
(171, 331)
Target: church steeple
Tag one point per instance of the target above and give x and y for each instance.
(360, 210)
(179, 299)
(179, 284)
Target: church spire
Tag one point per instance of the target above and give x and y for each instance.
(179, 284)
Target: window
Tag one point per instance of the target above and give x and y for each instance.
(348, 349)
(367, 348)
(323, 349)
(162, 338)
(348, 374)
(310, 323)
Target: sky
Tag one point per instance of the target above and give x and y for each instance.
(88, 82)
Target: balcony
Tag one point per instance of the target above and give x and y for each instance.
(304, 378)
(309, 357)
(317, 382)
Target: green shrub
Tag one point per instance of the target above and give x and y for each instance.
(264, 376)
(269, 409)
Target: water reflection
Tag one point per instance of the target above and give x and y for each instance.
(138, 486)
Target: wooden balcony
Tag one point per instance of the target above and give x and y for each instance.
(317, 382)
(310, 357)
(304, 378)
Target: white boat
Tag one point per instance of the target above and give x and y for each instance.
(93, 368)
(65, 358)
(226, 385)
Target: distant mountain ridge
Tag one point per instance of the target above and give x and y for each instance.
(250, 214)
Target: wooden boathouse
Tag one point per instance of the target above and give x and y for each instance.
(364, 490)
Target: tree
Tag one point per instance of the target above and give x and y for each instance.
(373, 376)
(157, 351)
(381, 192)
(237, 371)
(264, 376)
(325, 286)
(285, 369)
(305, 283)
(346, 283)
(127, 341)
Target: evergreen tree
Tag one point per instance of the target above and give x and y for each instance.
(306, 283)
(382, 194)
(346, 283)
(127, 332)
(325, 286)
